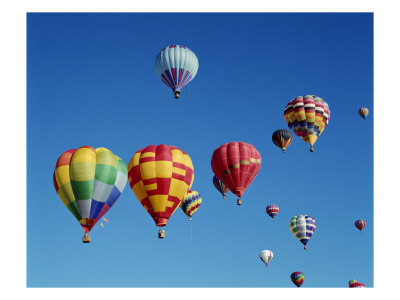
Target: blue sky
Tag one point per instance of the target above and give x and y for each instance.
(91, 81)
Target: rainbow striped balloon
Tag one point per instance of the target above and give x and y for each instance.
(297, 278)
(191, 203)
(220, 186)
(89, 181)
(307, 116)
(302, 227)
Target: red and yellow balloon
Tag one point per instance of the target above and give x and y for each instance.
(160, 176)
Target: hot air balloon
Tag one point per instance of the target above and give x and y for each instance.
(191, 203)
(302, 227)
(236, 164)
(360, 224)
(297, 278)
(307, 117)
(220, 186)
(272, 210)
(176, 65)
(282, 138)
(266, 256)
(363, 112)
(89, 181)
(355, 284)
(160, 176)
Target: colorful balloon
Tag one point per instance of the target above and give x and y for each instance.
(272, 210)
(191, 203)
(355, 284)
(266, 256)
(282, 138)
(89, 181)
(302, 227)
(160, 176)
(363, 112)
(220, 186)
(360, 224)
(307, 117)
(176, 65)
(297, 278)
(236, 164)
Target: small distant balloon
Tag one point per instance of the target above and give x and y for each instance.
(220, 186)
(266, 256)
(363, 112)
(272, 210)
(297, 278)
(191, 203)
(302, 227)
(360, 224)
(282, 138)
(355, 284)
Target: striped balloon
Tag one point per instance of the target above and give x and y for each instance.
(220, 186)
(360, 224)
(355, 284)
(302, 227)
(297, 278)
(160, 176)
(191, 203)
(307, 116)
(89, 181)
(363, 112)
(272, 210)
(266, 256)
(282, 138)
(176, 65)
(236, 164)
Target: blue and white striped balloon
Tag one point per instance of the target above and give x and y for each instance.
(302, 227)
(176, 65)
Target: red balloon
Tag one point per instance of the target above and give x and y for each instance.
(236, 164)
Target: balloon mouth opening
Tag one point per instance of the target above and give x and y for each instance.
(161, 222)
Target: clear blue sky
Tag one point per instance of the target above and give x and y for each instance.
(91, 81)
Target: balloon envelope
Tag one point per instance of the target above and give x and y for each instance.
(297, 278)
(307, 116)
(160, 177)
(272, 210)
(360, 224)
(236, 164)
(302, 227)
(220, 186)
(191, 203)
(89, 182)
(363, 112)
(266, 256)
(282, 138)
(176, 65)
(355, 284)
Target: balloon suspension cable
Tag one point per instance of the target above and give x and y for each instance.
(191, 236)
(239, 201)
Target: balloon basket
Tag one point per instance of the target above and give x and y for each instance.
(239, 202)
(224, 197)
(161, 234)
(176, 95)
(86, 239)
(311, 148)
